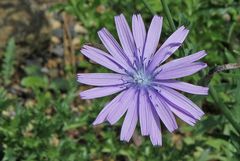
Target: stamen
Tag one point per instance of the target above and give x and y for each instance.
(141, 78)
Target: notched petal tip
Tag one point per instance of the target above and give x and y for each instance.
(173, 129)
(82, 95)
(157, 16)
(122, 15)
(156, 140)
(124, 139)
(85, 46)
(139, 17)
(117, 17)
(204, 53)
(157, 144)
(200, 115)
(204, 91)
(203, 64)
(101, 31)
(78, 77)
(181, 27)
(97, 122)
(110, 121)
(207, 90)
(184, 31)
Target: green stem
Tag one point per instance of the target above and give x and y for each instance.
(227, 113)
(148, 7)
(168, 14)
(171, 23)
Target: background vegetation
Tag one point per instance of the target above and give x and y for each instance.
(44, 119)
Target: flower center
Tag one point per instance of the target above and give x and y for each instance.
(141, 78)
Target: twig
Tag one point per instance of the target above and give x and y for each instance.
(227, 113)
(206, 80)
(66, 42)
(226, 67)
(68, 47)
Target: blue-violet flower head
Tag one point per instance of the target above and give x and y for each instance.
(146, 87)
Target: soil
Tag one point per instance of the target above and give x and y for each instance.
(43, 38)
(40, 35)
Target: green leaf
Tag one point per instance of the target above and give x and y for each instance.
(8, 61)
(34, 82)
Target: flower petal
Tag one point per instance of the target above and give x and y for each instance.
(183, 86)
(155, 128)
(144, 112)
(130, 120)
(188, 118)
(139, 33)
(102, 58)
(153, 37)
(163, 111)
(125, 36)
(117, 113)
(156, 60)
(101, 91)
(179, 72)
(185, 60)
(108, 108)
(176, 38)
(114, 49)
(102, 79)
(178, 100)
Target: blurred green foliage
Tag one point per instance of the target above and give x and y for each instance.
(52, 123)
(8, 63)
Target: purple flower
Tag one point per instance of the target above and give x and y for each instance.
(147, 87)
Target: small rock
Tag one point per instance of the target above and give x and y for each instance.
(226, 17)
(55, 24)
(76, 42)
(58, 32)
(101, 9)
(23, 15)
(30, 103)
(58, 50)
(238, 18)
(55, 40)
(80, 29)
(54, 141)
(45, 70)
(53, 73)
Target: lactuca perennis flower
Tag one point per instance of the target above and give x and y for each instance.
(147, 87)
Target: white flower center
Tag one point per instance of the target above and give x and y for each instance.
(141, 78)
